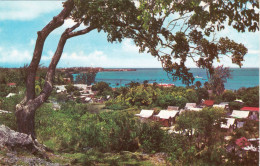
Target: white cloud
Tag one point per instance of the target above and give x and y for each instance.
(32, 42)
(253, 51)
(14, 56)
(128, 46)
(68, 23)
(96, 58)
(26, 10)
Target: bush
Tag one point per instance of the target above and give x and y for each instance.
(228, 96)
(235, 106)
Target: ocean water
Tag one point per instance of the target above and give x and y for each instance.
(241, 77)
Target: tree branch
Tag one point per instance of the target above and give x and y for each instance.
(42, 35)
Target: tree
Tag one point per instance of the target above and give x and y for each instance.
(198, 84)
(229, 96)
(91, 76)
(178, 30)
(217, 80)
(146, 25)
(202, 93)
(98, 15)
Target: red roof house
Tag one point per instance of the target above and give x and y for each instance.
(12, 84)
(208, 103)
(256, 109)
(242, 142)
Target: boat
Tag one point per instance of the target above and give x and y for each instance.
(198, 77)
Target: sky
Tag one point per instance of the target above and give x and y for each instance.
(20, 21)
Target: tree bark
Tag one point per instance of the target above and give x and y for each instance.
(25, 110)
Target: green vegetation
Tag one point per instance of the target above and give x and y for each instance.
(83, 134)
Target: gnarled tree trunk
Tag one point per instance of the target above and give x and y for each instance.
(25, 110)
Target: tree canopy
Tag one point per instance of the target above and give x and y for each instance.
(174, 31)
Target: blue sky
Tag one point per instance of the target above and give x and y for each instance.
(20, 21)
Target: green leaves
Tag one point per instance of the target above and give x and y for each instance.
(174, 31)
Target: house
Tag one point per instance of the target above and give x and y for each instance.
(67, 80)
(12, 84)
(229, 125)
(56, 106)
(239, 101)
(240, 114)
(191, 109)
(173, 108)
(190, 105)
(10, 95)
(5, 112)
(219, 106)
(60, 88)
(254, 112)
(166, 117)
(145, 114)
(166, 85)
(88, 100)
(208, 103)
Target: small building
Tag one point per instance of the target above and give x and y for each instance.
(145, 114)
(229, 125)
(5, 112)
(219, 106)
(254, 112)
(166, 117)
(239, 101)
(10, 95)
(67, 80)
(11, 84)
(173, 108)
(190, 105)
(208, 103)
(240, 114)
(56, 106)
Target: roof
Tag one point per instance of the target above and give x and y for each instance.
(12, 83)
(195, 109)
(188, 105)
(172, 108)
(250, 109)
(230, 122)
(237, 100)
(208, 102)
(10, 95)
(145, 113)
(219, 106)
(242, 142)
(239, 114)
(166, 114)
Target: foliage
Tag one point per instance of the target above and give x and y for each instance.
(219, 77)
(202, 93)
(234, 106)
(71, 88)
(182, 30)
(86, 78)
(228, 96)
(103, 89)
(75, 128)
(250, 97)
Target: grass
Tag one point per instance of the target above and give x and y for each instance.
(93, 157)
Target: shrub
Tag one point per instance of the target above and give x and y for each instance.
(234, 106)
(228, 96)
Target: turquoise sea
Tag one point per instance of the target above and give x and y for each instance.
(241, 77)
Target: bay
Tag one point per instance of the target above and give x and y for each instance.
(241, 77)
